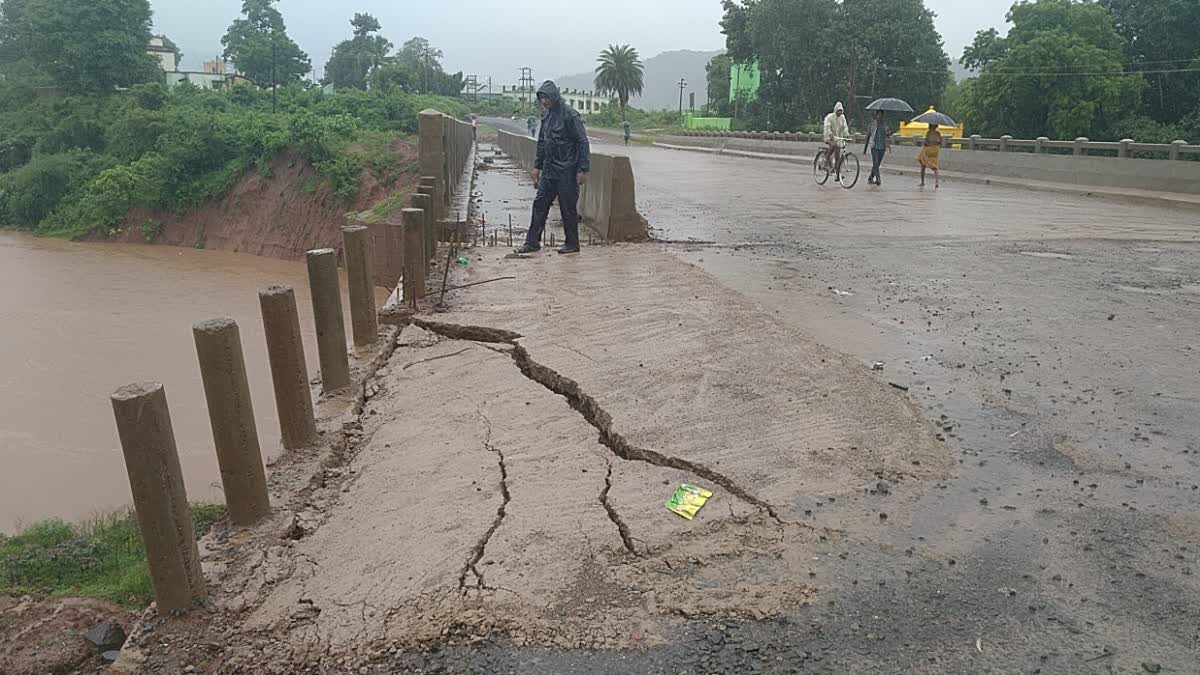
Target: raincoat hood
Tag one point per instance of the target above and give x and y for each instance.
(550, 90)
(838, 107)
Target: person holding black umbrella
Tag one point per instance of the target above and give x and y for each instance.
(879, 135)
(879, 141)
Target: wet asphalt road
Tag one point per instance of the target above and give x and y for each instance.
(1052, 340)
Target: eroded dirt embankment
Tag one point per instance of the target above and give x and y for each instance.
(281, 215)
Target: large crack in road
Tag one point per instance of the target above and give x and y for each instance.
(592, 412)
(481, 546)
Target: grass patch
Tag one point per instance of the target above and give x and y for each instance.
(102, 558)
(375, 151)
(382, 211)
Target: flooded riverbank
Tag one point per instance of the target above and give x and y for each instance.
(81, 320)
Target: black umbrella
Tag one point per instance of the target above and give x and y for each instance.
(890, 105)
(935, 117)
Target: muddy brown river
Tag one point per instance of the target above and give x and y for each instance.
(79, 321)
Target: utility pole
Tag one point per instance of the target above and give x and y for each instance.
(526, 87)
(682, 86)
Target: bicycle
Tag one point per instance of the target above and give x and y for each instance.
(847, 170)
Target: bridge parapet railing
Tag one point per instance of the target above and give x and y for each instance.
(1080, 147)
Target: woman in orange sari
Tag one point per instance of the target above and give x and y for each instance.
(928, 159)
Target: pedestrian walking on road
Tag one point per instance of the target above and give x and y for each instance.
(928, 159)
(627, 132)
(879, 141)
(562, 165)
(532, 125)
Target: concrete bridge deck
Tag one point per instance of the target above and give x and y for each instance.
(1015, 486)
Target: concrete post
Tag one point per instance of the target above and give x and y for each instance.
(361, 273)
(1004, 142)
(431, 129)
(1174, 153)
(424, 200)
(1081, 146)
(289, 371)
(972, 141)
(1039, 145)
(159, 495)
(414, 266)
(327, 313)
(231, 414)
(1123, 148)
(396, 236)
(430, 185)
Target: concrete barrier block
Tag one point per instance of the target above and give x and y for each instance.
(607, 202)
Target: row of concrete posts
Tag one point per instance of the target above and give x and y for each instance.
(144, 421)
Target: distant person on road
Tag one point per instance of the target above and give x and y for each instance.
(836, 127)
(627, 132)
(928, 159)
(562, 165)
(879, 141)
(532, 124)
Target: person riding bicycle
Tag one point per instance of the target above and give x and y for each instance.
(836, 127)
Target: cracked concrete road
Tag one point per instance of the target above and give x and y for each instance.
(1051, 338)
(518, 452)
(1027, 504)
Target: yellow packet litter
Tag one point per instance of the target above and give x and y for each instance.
(688, 499)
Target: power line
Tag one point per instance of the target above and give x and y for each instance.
(1131, 64)
(1060, 73)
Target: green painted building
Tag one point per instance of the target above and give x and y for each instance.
(743, 81)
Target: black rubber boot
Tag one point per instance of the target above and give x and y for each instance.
(528, 249)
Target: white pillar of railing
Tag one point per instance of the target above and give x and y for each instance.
(972, 141)
(1004, 142)
(1123, 150)
(1176, 146)
(1081, 146)
(1039, 145)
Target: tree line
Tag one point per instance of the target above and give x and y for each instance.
(366, 60)
(89, 131)
(1103, 69)
(813, 53)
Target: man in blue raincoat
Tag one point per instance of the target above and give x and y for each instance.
(562, 165)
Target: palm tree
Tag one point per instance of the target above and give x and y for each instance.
(619, 73)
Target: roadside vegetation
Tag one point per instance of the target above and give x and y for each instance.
(101, 558)
(83, 140)
(77, 164)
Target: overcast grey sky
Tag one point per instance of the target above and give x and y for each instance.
(496, 37)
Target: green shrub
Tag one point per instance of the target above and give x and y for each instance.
(33, 192)
(74, 132)
(343, 173)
